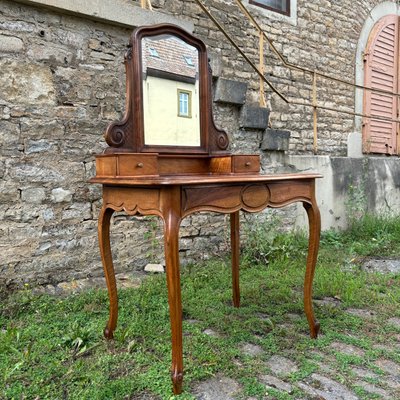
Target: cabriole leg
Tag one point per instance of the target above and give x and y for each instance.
(106, 258)
(314, 221)
(171, 238)
(235, 248)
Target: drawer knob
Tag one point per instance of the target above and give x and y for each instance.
(247, 164)
(140, 165)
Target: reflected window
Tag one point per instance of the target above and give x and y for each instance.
(189, 61)
(280, 6)
(153, 52)
(184, 103)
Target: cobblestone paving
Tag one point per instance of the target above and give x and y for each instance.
(382, 381)
(324, 385)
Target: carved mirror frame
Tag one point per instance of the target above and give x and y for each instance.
(127, 135)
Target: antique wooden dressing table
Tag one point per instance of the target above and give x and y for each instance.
(167, 158)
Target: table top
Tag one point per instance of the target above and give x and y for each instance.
(198, 179)
(201, 179)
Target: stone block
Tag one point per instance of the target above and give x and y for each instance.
(231, 92)
(33, 195)
(275, 139)
(59, 195)
(97, 55)
(78, 211)
(9, 192)
(17, 26)
(43, 129)
(73, 39)
(9, 138)
(48, 214)
(38, 146)
(24, 172)
(22, 213)
(215, 63)
(217, 388)
(154, 268)
(51, 54)
(10, 44)
(273, 382)
(26, 83)
(254, 117)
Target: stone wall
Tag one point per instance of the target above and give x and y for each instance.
(62, 81)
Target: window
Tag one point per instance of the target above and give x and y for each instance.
(184, 103)
(280, 6)
(153, 52)
(189, 61)
(381, 63)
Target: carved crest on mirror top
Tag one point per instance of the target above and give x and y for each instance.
(173, 58)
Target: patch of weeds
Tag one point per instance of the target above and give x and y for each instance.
(152, 236)
(79, 339)
(356, 202)
(382, 232)
(265, 241)
(10, 341)
(332, 238)
(363, 394)
(306, 368)
(373, 381)
(276, 394)
(252, 387)
(345, 360)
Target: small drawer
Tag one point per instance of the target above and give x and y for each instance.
(106, 166)
(220, 165)
(137, 164)
(245, 163)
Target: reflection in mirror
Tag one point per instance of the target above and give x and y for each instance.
(170, 92)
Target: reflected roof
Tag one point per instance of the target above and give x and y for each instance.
(169, 54)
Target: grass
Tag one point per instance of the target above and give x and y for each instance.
(52, 348)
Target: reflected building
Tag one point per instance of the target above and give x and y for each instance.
(170, 92)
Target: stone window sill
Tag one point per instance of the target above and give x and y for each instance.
(290, 19)
(117, 12)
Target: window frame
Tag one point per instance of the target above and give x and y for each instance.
(257, 3)
(189, 101)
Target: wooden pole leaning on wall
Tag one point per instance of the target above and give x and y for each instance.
(261, 48)
(315, 106)
(146, 4)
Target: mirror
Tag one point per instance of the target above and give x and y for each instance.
(168, 96)
(170, 85)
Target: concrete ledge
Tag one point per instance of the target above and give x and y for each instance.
(275, 139)
(117, 12)
(230, 92)
(350, 186)
(254, 117)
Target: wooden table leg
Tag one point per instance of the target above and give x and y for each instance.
(171, 244)
(106, 258)
(314, 220)
(235, 248)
